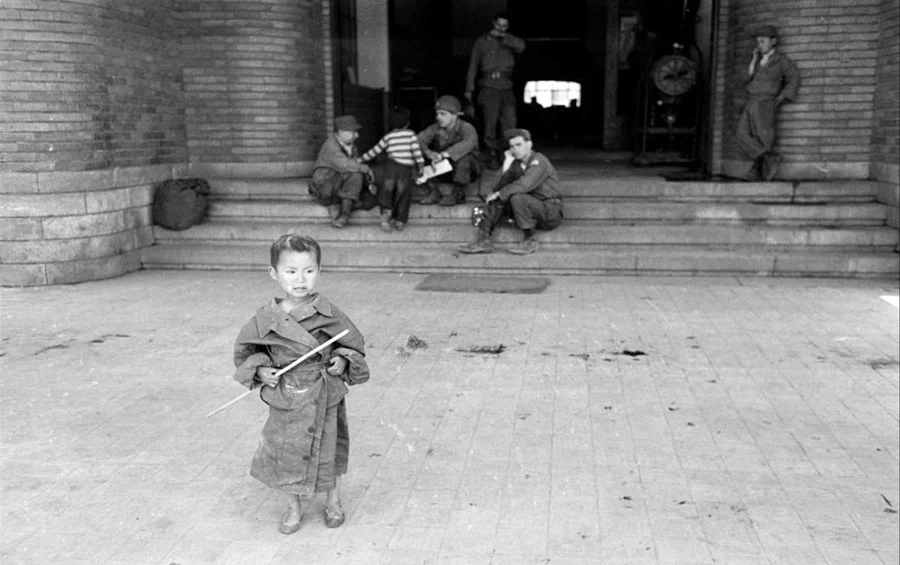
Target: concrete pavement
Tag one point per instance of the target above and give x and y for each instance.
(628, 421)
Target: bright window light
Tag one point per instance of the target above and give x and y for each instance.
(553, 92)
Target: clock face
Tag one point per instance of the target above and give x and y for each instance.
(674, 74)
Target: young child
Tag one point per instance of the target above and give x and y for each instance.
(404, 161)
(305, 440)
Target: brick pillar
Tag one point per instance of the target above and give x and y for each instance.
(90, 119)
(886, 133)
(255, 84)
(826, 133)
(884, 166)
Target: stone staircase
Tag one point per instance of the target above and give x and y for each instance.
(619, 220)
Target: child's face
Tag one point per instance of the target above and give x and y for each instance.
(347, 136)
(296, 273)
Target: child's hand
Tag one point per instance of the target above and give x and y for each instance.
(337, 366)
(373, 188)
(266, 375)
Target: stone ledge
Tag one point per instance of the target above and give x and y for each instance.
(885, 172)
(23, 274)
(103, 179)
(75, 248)
(18, 183)
(69, 272)
(804, 171)
(251, 170)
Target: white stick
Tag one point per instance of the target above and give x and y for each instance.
(283, 370)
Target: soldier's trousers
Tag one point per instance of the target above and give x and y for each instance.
(527, 211)
(755, 133)
(498, 110)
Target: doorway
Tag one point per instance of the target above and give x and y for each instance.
(600, 49)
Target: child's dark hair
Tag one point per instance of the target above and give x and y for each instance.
(399, 118)
(294, 242)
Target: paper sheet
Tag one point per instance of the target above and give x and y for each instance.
(434, 170)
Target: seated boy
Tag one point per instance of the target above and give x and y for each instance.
(338, 177)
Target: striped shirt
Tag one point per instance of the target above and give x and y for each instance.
(402, 146)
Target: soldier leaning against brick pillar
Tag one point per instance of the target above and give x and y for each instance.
(771, 79)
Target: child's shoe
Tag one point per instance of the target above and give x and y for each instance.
(334, 210)
(290, 523)
(399, 226)
(334, 518)
(386, 220)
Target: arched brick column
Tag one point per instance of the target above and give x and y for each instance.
(104, 100)
(92, 101)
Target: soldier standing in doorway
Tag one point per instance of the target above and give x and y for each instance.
(494, 57)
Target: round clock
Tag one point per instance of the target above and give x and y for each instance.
(674, 74)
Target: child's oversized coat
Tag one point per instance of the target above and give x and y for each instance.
(305, 440)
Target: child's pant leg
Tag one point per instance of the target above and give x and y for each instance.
(402, 199)
(386, 193)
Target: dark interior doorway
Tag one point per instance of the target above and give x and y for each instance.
(574, 41)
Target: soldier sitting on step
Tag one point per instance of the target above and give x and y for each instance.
(450, 137)
(339, 180)
(527, 191)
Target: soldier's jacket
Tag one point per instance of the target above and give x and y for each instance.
(495, 59)
(534, 175)
(778, 76)
(458, 141)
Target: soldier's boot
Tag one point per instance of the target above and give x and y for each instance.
(448, 194)
(433, 197)
(346, 208)
(482, 244)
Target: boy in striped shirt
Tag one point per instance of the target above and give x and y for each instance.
(404, 161)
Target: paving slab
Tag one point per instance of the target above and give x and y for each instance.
(652, 421)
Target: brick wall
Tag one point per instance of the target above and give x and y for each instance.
(827, 131)
(886, 132)
(253, 80)
(90, 119)
(101, 100)
(88, 85)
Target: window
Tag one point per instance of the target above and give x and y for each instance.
(553, 92)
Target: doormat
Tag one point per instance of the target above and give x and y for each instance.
(499, 285)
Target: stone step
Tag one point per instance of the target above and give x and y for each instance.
(583, 184)
(571, 232)
(550, 259)
(586, 208)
